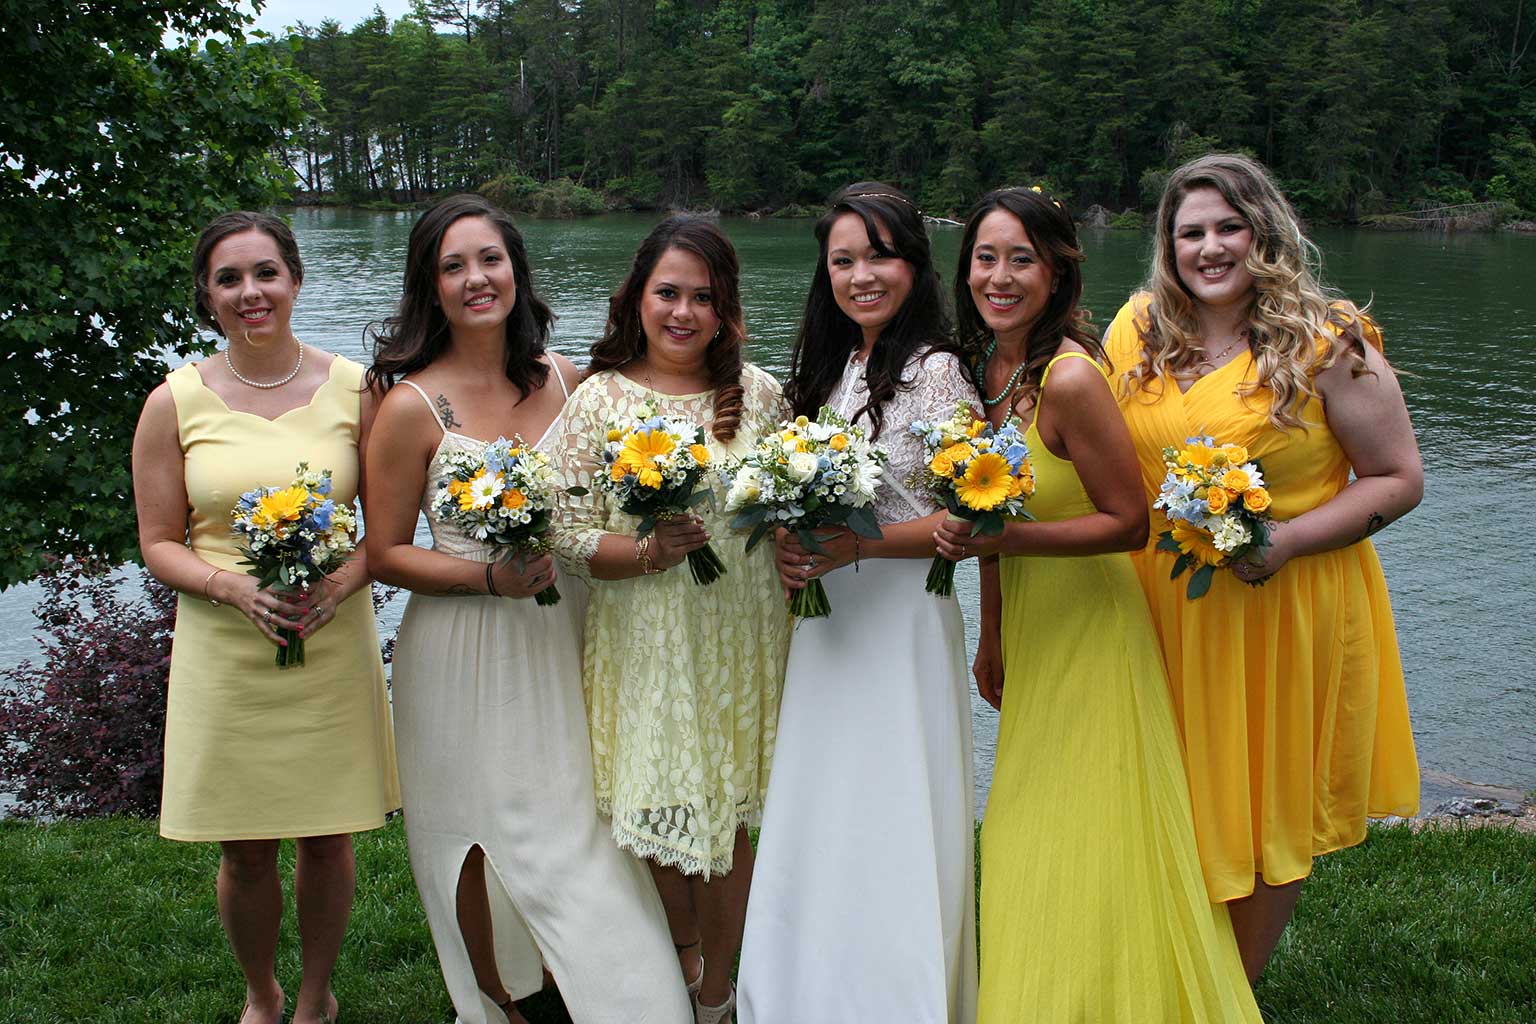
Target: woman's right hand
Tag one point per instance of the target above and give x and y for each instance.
(674, 538)
(266, 608)
(523, 575)
(988, 670)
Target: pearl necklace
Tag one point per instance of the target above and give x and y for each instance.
(1007, 388)
(258, 384)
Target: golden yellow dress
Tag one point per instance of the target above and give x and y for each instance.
(252, 751)
(1289, 696)
(1093, 908)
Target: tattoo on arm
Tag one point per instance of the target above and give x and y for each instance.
(1374, 523)
(445, 411)
(460, 590)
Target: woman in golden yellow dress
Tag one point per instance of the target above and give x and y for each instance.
(1093, 908)
(1290, 695)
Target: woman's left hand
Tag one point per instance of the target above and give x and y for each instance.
(954, 541)
(321, 601)
(798, 564)
(1266, 561)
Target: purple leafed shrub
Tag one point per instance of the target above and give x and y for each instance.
(82, 730)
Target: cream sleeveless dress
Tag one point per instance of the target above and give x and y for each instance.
(245, 741)
(492, 738)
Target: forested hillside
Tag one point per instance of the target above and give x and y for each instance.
(1359, 105)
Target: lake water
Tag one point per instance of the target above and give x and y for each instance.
(1459, 313)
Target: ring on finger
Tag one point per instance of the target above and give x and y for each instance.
(267, 618)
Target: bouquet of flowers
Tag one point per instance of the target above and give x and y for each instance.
(653, 466)
(503, 493)
(292, 537)
(1217, 507)
(981, 474)
(805, 475)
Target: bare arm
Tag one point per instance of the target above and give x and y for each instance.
(400, 447)
(988, 665)
(1370, 419)
(160, 496)
(1081, 415)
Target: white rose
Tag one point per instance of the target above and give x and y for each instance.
(745, 489)
(802, 467)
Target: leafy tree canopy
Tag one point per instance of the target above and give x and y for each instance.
(115, 149)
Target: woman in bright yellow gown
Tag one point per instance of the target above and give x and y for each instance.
(1289, 696)
(1093, 908)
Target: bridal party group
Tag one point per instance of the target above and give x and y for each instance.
(1188, 717)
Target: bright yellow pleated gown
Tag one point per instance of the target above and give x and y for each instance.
(1093, 908)
(1289, 696)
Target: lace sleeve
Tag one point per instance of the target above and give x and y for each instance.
(765, 403)
(579, 521)
(942, 382)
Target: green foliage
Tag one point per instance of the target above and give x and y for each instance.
(1414, 928)
(1130, 220)
(1514, 158)
(117, 150)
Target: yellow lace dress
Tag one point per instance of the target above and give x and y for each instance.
(1289, 696)
(1093, 908)
(682, 681)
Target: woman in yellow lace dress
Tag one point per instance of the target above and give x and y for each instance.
(1093, 908)
(1290, 695)
(682, 679)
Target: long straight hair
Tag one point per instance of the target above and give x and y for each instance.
(1290, 311)
(419, 332)
(624, 340)
(1050, 230)
(828, 336)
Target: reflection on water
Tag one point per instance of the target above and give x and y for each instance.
(1459, 314)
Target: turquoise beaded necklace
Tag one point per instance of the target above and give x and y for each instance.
(1013, 381)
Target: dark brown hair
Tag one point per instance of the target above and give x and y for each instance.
(417, 334)
(623, 340)
(1054, 237)
(220, 228)
(828, 336)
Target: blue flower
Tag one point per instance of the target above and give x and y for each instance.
(322, 515)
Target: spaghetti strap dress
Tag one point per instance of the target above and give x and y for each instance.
(1093, 907)
(493, 753)
(1289, 696)
(863, 897)
(244, 740)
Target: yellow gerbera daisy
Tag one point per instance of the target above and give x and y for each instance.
(281, 506)
(650, 477)
(1196, 543)
(647, 445)
(986, 483)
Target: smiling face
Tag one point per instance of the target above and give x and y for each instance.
(1210, 244)
(1010, 282)
(250, 288)
(868, 287)
(476, 286)
(677, 312)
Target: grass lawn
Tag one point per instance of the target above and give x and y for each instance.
(102, 921)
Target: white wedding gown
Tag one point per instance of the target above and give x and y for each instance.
(862, 908)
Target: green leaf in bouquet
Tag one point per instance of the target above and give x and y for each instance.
(1180, 564)
(577, 492)
(759, 531)
(808, 540)
(1200, 582)
(989, 523)
(748, 518)
(862, 521)
(647, 524)
(1165, 542)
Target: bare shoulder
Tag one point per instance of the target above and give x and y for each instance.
(568, 370)
(1076, 376)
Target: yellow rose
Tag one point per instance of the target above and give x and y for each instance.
(1256, 499)
(616, 472)
(959, 453)
(1236, 454)
(802, 445)
(942, 465)
(1217, 499)
(838, 442)
(700, 454)
(1235, 480)
(513, 498)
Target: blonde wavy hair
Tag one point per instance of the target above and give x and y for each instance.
(1290, 309)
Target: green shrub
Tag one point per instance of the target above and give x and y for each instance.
(1130, 220)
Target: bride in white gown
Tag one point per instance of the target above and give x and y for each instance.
(862, 903)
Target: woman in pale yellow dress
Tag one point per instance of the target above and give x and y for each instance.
(254, 754)
(1092, 904)
(1299, 730)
